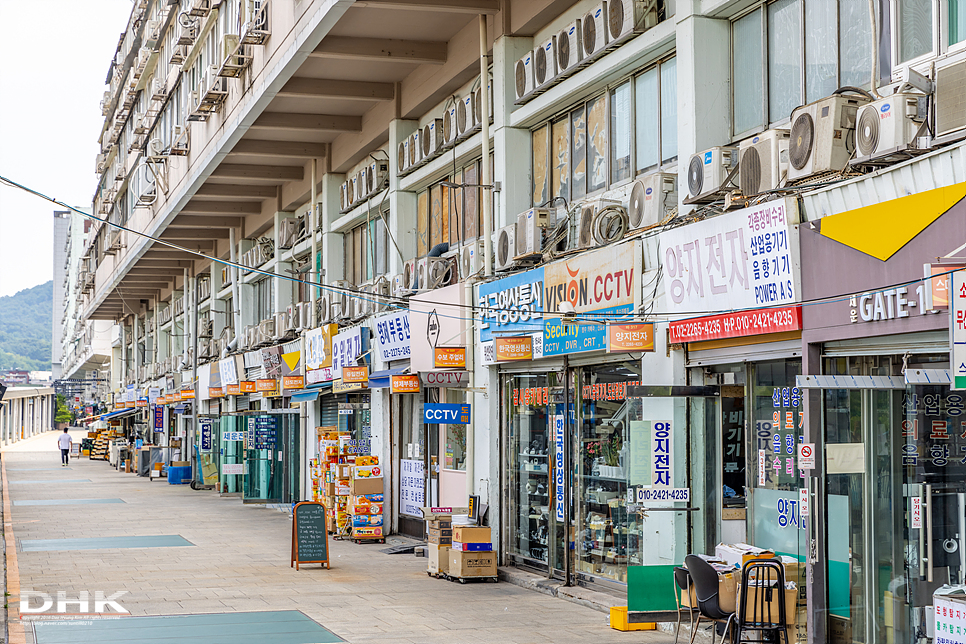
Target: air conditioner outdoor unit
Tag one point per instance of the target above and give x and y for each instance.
(340, 298)
(305, 316)
(380, 290)
(206, 329)
(762, 162)
(323, 308)
(266, 330)
(523, 77)
(950, 107)
(345, 199)
(250, 338)
(651, 197)
(823, 136)
(887, 128)
(402, 155)
(594, 32)
(294, 318)
(281, 325)
(152, 29)
(415, 150)
(288, 232)
(478, 105)
(432, 139)
(364, 190)
(435, 272)
(626, 18)
(505, 247)
(464, 116)
(398, 286)
(101, 163)
(354, 189)
(450, 132)
(470, 259)
(570, 54)
(361, 305)
(378, 170)
(545, 64)
(410, 276)
(708, 170)
(530, 231)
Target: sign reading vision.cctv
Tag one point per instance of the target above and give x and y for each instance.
(446, 414)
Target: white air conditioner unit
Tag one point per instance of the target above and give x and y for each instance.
(708, 170)
(323, 308)
(823, 136)
(651, 197)
(432, 139)
(531, 230)
(569, 53)
(470, 259)
(249, 338)
(206, 329)
(402, 155)
(585, 227)
(345, 197)
(464, 117)
(378, 171)
(950, 107)
(415, 150)
(354, 189)
(361, 305)
(398, 286)
(523, 77)
(152, 31)
(288, 232)
(594, 32)
(887, 128)
(266, 330)
(626, 18)
(341, 300)
(545, 64)
(364, 190)
(505, 248)
(435, 272)
(305, 316)
(410, 276)
(450, 132)
(478, 105)
(293, 319)
(762, 162)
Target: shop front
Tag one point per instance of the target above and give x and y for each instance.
(888, 487)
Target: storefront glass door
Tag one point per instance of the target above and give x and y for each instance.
(263, 465)
(232, 453)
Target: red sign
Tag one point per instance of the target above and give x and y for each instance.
(737, 325)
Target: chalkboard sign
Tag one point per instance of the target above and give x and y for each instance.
(310, 539)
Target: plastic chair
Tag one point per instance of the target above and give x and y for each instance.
(682, 582)
(705, 579)
(765, 613)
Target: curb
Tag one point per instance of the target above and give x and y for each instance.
(601, 602)
(15, 629)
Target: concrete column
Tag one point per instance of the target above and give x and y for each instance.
(511, 146)
(402, 205)
(332, 264)
(283, 287)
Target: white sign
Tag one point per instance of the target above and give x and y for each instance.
(392, 336)
(153, 394)
(233, 469)
(915, 513)
(315, 376)
(803, 506)
(661, 455)
(957, 318)
(950, 621)
(412, 495)
(740, 260)
(229, 371)
(445, 378)
(761, 468)
(806, 456)
(346, 347)
(663, 494)
(315, 348)
(233, 436)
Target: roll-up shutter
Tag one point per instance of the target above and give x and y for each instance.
(915, 343)
(329, 406)
(746, 353)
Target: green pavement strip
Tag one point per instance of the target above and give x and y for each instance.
(37, 469)
(52, 481)
(278, 627)
(103, 543)
(67, 501)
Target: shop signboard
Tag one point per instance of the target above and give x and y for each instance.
(318, 346)
(228, 368)
(233, 469)
(158, 419)
(941, 278)
(347, 346)
(957, 341)
(404, 384)
(153, 394)
(272, 361)
(341, 387)
(316, 376)
(559, 472)
(292, 382)
(247, 386)
(412, 487)
(449, 357)
(446, 379)
(735, 325)
(355, 374)
(514, 348)
(513, 305)
(446, 414)
(630, 338)
(661, 459)
(600, 284)
(233, 390)
(233, 436)
(216, 392)
(950, 616)
(744, 259)
(142, 402)
(392, 336)
(436, 318)
(187, 394)
(206, 436)
(266, 385)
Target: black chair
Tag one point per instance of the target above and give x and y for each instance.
(765, 611)
(682, 583)
(705, 580)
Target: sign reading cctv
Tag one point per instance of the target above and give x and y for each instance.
(446, 414)
(445, 378)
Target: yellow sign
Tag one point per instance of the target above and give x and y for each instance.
(355, 374)
(445, 357)
(233, 390)
(247, 386)
(514, 348)
(627, 338)
(216, 392)
(187, 394)
(293, 382)
(266, 385)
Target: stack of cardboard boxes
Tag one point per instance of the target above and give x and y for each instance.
(440, 537)
(471, 553)
(330, 479)
(366, 507)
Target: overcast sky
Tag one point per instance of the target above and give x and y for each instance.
(54, 57)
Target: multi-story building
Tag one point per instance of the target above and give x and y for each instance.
(600, 224)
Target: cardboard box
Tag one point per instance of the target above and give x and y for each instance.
(367, 472)
(365, 486)
(736, 554)
(436, 539)
(728, 591)
(438, 559)
(471, 534)
(440, 524)
(772, 598)
(367, 460)
(471, 547)
(440, 532)
(180, 464)
(330, 489)
(472, 564)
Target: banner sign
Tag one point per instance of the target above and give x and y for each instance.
(412, 486)
(661, 455)
(233, 390)
(216, 392)
(559, 472)
(355, 374)
(347, 346)
(446, 413)
(627, 338)
(159, 419)
(393, 336)
(404, 384)
(318, 346)
(445, 378)
(514, 348)
(206, 436)
(450, 357)
(957, 341)
(228, 368)
(248, 386)
(736, 325)
(266, 385)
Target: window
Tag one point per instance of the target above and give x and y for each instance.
(264, 299)
(366, 251)
(806, 49)
(957, 21)
(447, 214)
(603, 142)
(914, 19)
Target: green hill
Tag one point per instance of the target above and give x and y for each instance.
(25, 328)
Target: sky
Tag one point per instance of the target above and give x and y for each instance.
(54, 58)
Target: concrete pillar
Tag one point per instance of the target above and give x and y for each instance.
(283, 287)
(402, 205)
(511, 146)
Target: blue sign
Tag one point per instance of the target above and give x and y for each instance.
(206, 436)
(560, 339)
(510, 305)
(158, 418)
(446, 414)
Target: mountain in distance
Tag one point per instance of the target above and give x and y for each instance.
(25, 328)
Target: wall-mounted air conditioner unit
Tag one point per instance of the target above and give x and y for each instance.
(887, 129)
(762, 162)
(361, 304)
(651, 197)
(823, 136)
(402, 156)
(594, 32)
(950, 119)
(398, 286)
(281, 325)
(627, 18)
(708, 170)
(570, 53)
(432, 139)
(505, 247)
(523, 77)
(470, 259)
(410, 276)
(341, 300)
(345, 197)
(464, 116)
(435, 272)
(545, 64)
(305, 316)
(531, 230)
(380, 291)
(378, 171)
(266, 331)
(478, 104)
(354, 189)
(323, 308)
(288, 231)
(206, 328)
(415, 150)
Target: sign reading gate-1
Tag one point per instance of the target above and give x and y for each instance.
(446, 414)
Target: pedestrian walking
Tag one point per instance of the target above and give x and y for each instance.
(64, 441)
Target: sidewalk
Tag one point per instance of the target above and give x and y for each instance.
(239, 561)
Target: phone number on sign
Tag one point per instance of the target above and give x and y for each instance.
(669, 494)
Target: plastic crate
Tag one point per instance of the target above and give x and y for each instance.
(618, 621)
(179, 475)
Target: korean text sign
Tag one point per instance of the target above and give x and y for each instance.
(739, 260)
(347, 346)
(392, 336)
(511, 304)
(446, 413)
(661, 455)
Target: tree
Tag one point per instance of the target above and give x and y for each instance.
(63, 414)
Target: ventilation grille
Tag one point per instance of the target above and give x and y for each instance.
(540, 66)
(589, 27)
(563, 50)
(950, 98)
(802, 136)
(749, 172)
(867, 134)
(695, 175)
(520, 74)
(615, 17)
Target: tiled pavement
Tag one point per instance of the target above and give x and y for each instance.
(240, 562)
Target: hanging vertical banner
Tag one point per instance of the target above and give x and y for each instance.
(957, 320)
(761, 468)
(661, 455)
(803, 505)
(159, 418)
(206, 436)
(915, 513)
(558, 467)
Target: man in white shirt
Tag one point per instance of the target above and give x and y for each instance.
(64, 442)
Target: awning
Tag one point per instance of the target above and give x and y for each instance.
(118, 414)
(88, 418)
(304, 395)
(382, 379)
(179, 409)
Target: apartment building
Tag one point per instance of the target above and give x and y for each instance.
(644, 241)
